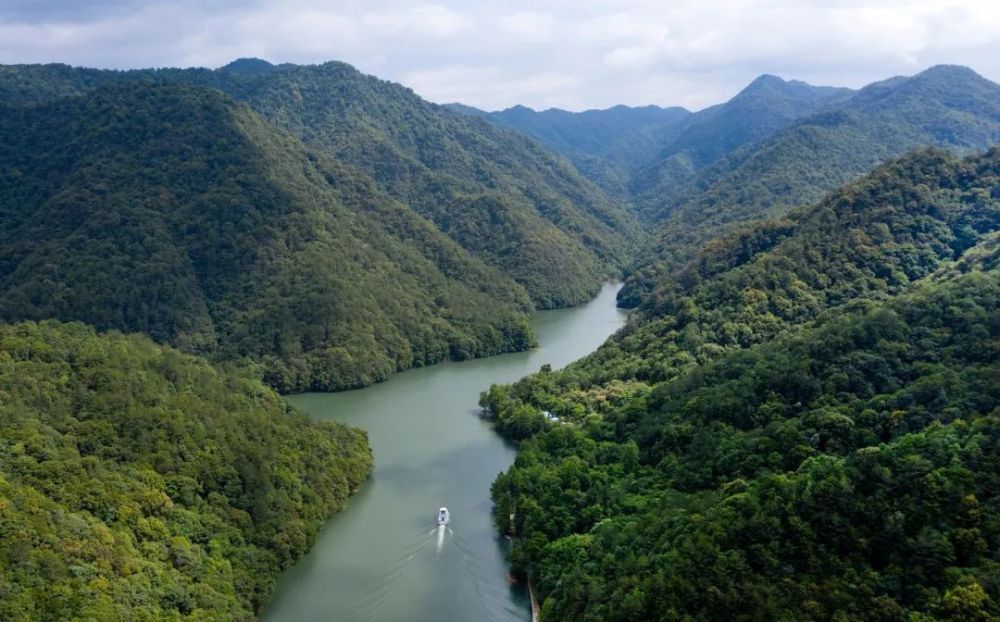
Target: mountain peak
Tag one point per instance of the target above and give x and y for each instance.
(772, 84)
(952, 85)
(959, 71)
(766, 80)
(949, 73)
(248, 65)
(519, 110)
(790, 98)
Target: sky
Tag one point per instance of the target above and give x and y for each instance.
(572, 54)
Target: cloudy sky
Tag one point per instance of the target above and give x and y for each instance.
(573, 54)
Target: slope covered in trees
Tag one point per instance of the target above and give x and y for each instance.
(606, 146)
(140, 483)
(172, 210)
(766, 106)
(870, 239)
(635, 153)
(803, 426)
(500, 195)
(944, 106)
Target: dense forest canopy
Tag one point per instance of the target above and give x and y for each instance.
(173, 211)
(800, 420)
(140, 483)
(802, 425)
(944, 106)
(767, 105)
(869, 239)
(774, 147)
(606, 146)
(501, 196)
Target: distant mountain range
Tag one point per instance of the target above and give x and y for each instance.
(607, 146)
(951, 107)
(774, 146)
(630, 151)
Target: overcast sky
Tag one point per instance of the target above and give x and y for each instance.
(572, 54)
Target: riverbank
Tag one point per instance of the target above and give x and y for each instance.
(432, 449)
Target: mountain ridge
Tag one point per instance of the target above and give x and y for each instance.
(553, 231)
(943, 107)
(172, 210)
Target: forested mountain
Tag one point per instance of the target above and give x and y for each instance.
(944, 106)
(139, 483)
(607, 146)
(765, 106)
(498, 194)
(173, 211)
(803, 424)
(635, 153)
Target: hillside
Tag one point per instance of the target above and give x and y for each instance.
(868, 240)
(173, 211)
(801, 424)
(139, 483)
(945, 106)
(500, 195)
(640, 154)
(767, 105)
(846, 470)
(606, 146)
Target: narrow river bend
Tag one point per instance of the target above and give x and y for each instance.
(383, 558)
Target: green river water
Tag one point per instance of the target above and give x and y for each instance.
(383, 558)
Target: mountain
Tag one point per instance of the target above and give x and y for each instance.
(621, 134)
(944, 106)
(173, 211)
(605, 145)
(801, 423)
(635, 153)
(137, 482)
(850, 469)
(765, 106)
(500, 195)
(870, 239)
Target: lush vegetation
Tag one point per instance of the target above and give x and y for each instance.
(871, 239)
(501, 196)
(140, 483)
(799, 422)
(803, 424)
(943, 106)
(766, 106)
(606, 146)
(643, 153)
(173, 211)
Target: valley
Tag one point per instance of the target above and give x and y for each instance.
(258, 323)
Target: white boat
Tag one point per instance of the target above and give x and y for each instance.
(443, 516)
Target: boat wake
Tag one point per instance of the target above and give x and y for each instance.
(491, 599)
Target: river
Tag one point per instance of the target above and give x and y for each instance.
(383, 558)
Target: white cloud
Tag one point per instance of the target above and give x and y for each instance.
(492, 53)
(431, 20)
(528, 26)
